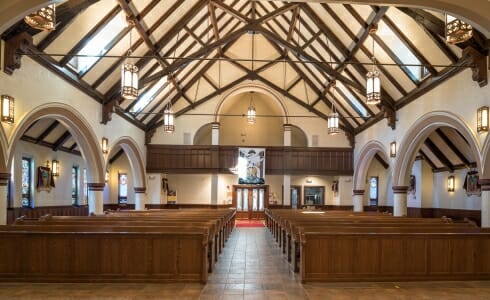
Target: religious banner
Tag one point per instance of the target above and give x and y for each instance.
(251, 165)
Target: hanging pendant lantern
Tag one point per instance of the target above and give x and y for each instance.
(43, 19)
(373, 80)
(251, 113)
(457, 31)
(168, 119)
(333, 117)
(129, 74)
(373, 87)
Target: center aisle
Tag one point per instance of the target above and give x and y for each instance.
(252, 267)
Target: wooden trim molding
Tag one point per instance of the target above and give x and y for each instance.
(485, 184)
(4, 178)
(95, 186)
(358, 192)
(140, 190)
(400, 189)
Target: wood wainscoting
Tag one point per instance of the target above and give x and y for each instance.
(36, 212)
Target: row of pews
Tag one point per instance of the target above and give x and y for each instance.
(347, 246)
(119, 246)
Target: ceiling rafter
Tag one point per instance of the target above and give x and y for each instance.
(361, 69)
(453, 148)
(410, 45)
(202, 72)
(428, 160)
(61, 140)
(438, 153)
(47, 131)
(49, 145)
(230, 10)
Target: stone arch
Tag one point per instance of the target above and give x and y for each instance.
(255, 87)
(364, 160)
(3, 152)
(201, 132)
(130, 148)
(78, 127)
(486, 157)
(417, 134)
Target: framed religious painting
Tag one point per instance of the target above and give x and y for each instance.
(472, 186)
(44, 179)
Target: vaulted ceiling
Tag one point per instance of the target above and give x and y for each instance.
(191, 51)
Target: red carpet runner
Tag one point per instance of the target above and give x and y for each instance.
(249, 223)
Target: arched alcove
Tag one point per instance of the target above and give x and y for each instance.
(298, 137)
(135, 158)
(203, 135)
(419, 132)
(365, 157)
(78, 127)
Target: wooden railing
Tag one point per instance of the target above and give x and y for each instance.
(222, 159)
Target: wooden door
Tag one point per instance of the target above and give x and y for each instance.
(250, 201)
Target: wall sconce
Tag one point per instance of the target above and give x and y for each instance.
(55, 165)
(7, 109)
(393, 149)
(450, 184)
(106, 176)
(105, 145)
(482, 119)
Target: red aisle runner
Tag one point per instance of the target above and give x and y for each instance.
(249, 223)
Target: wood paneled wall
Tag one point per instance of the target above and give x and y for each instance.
(221, 159)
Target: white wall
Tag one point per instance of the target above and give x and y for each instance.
(60, 195)
(376, 169)
(457, 199)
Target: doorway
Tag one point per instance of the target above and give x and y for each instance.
(295, 196)
(250, 201)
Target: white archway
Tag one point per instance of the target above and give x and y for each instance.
(248, 87)
(78, 127)
(486, 158)
(419, 132)
(135, 158)
(3, 152)
(362, 165)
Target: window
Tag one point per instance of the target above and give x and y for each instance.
(98, 45)
(314, 195)
(85, 186)
(74, 185)
(352, 100)
(373, 191)
(123, 188)
(401, 51)
(26, 182)
(149, 95)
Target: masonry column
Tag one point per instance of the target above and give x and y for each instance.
(485, 202)
(139, 198)
(400, 201)
(4, 179)
(96, 198)
(214, 176)
(286, 182)
(357, 200)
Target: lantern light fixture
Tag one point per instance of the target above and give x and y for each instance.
(168, 119)
(373, 77)
(450, 184)
(55, 166)
(44, 19)
(457, 31)
(105, 145)
(251, 112)
(481, 119)
(393, 149)
(129, 72)
(7, 109)
(333, 117)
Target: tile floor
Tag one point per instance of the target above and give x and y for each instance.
(251, 267)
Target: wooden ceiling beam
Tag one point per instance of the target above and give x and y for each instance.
(438, 153)
(116, 156)
(61, 140)
(230, 10)
(453, 148)
(47, 131)
(428, 160)
(49, 145)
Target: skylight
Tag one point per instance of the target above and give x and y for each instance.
(97, 45)
(404, 54)
(352, 100)
(149, 95)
